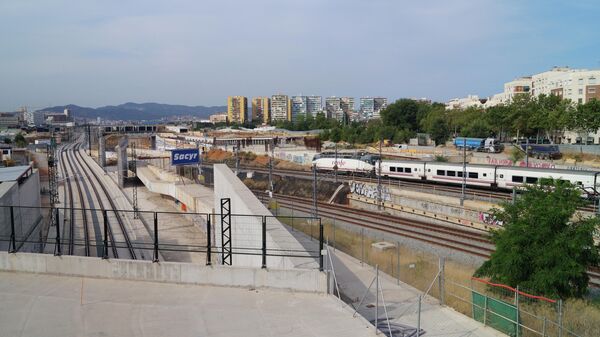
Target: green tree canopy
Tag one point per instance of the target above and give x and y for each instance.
(543, 247)
(20, 140)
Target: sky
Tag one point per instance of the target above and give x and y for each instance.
(107, 52)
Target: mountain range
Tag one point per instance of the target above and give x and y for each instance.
(139, 111)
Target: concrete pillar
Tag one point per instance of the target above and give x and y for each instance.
(101, 150)
(121, 150)
(153, 142)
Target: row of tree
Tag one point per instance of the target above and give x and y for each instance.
(525, 116)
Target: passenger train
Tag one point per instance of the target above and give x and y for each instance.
(490, 176)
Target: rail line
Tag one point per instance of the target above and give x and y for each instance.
(433, 234)
(126, 238)
(83, 212)
(69, 191)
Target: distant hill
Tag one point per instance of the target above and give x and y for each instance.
(139, 111)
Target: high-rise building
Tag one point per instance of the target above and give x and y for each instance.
(379, 103)
(367, 107)
(237, 109)
(299, 106)
(261, 109)
(314, 105)
(281, 108)
(347, 106)
(333, 107)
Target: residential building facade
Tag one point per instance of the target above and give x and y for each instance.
(379, 103)
(314, 105)
(333, 107)
(281, 109)
(261, 109)
(299, 106)
(367, 107)
(237, 109)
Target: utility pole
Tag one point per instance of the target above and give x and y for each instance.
(527, 152)
(135, 191)
(271, 169)
(237, 158)
(464, 173)
(315, 210)
(379, 191)
(335, 164)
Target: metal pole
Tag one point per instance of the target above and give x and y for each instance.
(419, 317)
(315, 210)
(362, 245)
(377, 299)
(517, 305)
(560, 314)
(398, 263)
(527, 152)
(441, 280)
(58, 246)
(544, 327)
(485, 305)
(379, 192)
(105, 243)
(464, 173)
(320, 245)
(264, 242)
(208, 241)
(155, 259)
(335, 166)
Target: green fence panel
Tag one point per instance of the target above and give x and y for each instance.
(500, 315)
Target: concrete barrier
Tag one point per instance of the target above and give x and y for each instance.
(302, 280)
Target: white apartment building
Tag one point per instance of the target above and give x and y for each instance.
(314, 105)
(379, 103)
(280, 108)
(367, 107)
(464, 103)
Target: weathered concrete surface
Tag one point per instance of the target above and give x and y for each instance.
(304, 280)
(45, 305)
(195, 197)
(246, 227)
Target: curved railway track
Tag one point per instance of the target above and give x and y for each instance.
(126, 238)
(76, 168)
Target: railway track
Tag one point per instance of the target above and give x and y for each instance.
(462, 240)
(80, 176)
(472, 242)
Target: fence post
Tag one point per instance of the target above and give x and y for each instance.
(105, 242)
(485, 305)
(320, 245)
(155, 259)
(544, 327)
(264, 242)
(517, 304)
(377, 299)
(208, 241)
(441, 280)
(398, 262)
(13, 245)
(419, 318)
(58, 251)
(362, 245)
(560, 314)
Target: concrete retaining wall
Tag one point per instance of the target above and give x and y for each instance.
(303, 280)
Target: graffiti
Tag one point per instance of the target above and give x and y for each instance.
(489, 219)
(370, 191)
(508, 162)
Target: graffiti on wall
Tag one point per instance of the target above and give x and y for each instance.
(508, 162)
(370, 191)
(489, 219)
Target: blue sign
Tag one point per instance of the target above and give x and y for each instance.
(185, 157)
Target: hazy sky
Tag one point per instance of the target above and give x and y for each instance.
(102, 52)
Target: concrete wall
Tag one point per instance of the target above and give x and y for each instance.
(246, 230)
(25, 194)
(169, 272)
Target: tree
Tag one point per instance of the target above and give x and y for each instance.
(516, 155)
(401, 114)
(543, 246)
(20, 140)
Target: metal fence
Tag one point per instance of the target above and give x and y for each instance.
(449, 282)
(224, 238)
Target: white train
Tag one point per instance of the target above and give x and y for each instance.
(491, 176)
(504, 177)
(347, 162)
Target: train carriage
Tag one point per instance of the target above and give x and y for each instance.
(509, 177)
(452, 173)
(402, 169)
